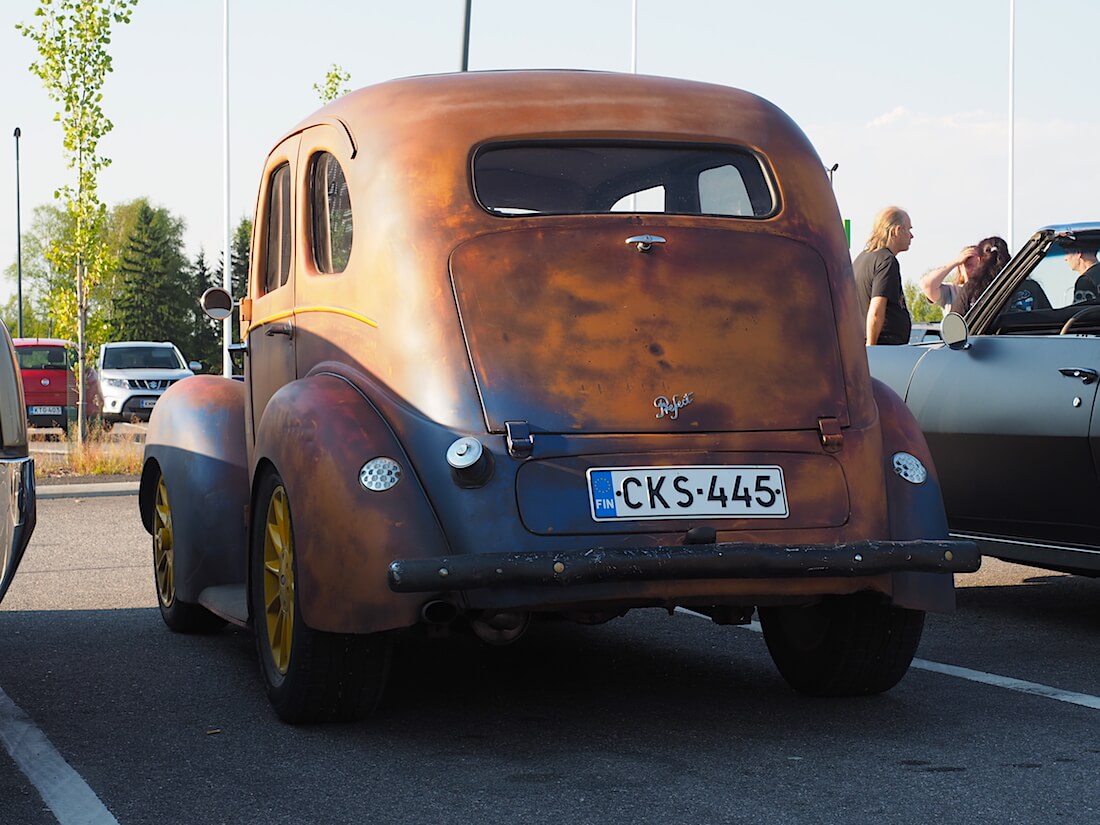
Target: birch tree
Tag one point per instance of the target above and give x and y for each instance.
(72, 37)
(334, 84)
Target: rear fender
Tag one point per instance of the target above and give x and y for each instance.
(318, 432)
(196, 439)
(916, 510)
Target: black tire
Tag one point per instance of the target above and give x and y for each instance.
(180, 616)
(310, 676)
(843, 646)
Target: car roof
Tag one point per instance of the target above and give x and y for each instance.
(42, 342)
(139, 344)
(1084, 226)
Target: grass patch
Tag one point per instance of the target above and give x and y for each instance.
(103, 453)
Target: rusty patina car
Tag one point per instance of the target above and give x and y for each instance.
(545, 344)
(18, 511)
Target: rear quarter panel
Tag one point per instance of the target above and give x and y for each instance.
(318, 432)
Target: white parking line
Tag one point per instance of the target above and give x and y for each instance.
(61, 788)
(1007, 682)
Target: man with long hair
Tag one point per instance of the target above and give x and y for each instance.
(878, 278)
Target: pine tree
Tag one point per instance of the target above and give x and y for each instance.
(206, 344)
(155, 293)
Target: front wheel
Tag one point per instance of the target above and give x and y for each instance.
(310, 676)
(844, 645)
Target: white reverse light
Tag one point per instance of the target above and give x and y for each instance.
(910, 468)
(380, 474)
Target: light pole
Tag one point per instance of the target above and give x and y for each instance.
(1011, 115)
(227, 258)
(466, 38)
(830, 170)
(18, 241)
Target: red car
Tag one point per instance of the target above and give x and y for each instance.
(49, 383)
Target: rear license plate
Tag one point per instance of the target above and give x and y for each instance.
(44, 410)
(147, 403)
(632, 493)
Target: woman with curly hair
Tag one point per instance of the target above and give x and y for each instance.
(976, 265)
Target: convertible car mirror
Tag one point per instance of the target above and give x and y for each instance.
(954, 331)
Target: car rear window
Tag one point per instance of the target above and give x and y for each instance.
(44, 358)
(140, 358)
(584, 178)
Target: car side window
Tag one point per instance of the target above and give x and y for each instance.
(330, 206)
(277, 266)
(1051, 284)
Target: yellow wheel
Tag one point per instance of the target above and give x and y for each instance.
(311, 676)
(163, 567)
(278, 583)
(181, 616)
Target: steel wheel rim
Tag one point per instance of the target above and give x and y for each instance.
(163, 547)
(278, 579)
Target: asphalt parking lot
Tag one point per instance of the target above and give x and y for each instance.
(650, 718)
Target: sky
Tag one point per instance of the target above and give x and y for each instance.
(910, 99)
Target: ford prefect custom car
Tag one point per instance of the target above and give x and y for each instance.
(545, 345)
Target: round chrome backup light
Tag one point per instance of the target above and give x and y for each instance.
(380, 474)
(910, 468)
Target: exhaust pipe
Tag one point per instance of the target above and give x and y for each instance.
(500, 628)
(438, 612)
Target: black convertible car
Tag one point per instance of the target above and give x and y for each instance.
(1008, 405)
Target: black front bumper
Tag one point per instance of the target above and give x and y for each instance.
(692, 561)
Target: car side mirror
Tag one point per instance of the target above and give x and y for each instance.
(194, 366)
(217, 303)
(954, 332)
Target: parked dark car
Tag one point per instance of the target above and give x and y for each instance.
(924, 333)
(17, 494)
(545, 345)
(1008, 405)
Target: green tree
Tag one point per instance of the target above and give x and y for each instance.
(242, 246)
(154, 298)
(50, 225)
(333, 84)
(71, 37)
(920, 308)
(36, 324)
(206, 344)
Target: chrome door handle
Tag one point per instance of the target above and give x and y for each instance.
(645, 242)
(279, 329)
(1086, 374)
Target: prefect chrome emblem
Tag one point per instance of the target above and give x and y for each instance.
(672, 408)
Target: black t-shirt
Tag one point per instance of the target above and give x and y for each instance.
(1087, 287)
(878, 274)
(1029, 296)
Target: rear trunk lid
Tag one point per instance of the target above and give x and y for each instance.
(574, 330)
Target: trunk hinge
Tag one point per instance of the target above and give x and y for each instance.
(832, 439)
(519, 439)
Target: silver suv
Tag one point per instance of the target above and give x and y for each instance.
(134, 374)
